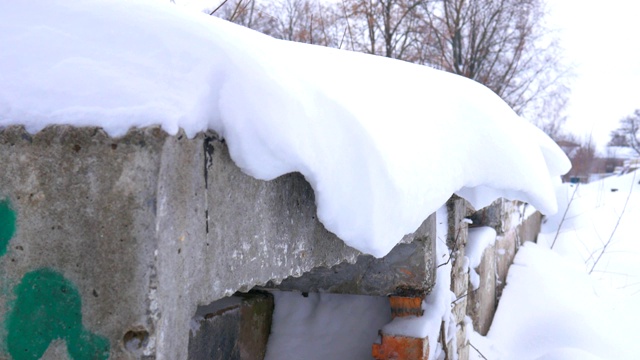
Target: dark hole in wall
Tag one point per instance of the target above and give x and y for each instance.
(136, 340)
(235, 327)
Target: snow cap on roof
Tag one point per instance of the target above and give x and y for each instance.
(383, 143)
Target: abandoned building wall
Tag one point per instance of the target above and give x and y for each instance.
(115, 245)
(514, 223)
(111, 244)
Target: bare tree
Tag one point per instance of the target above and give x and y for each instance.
(499, 43)
(627, 133)
(582, 154)
(239, 11)
(503, 45)
(390, 28)
(306, 21)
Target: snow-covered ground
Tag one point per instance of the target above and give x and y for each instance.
(578, 300)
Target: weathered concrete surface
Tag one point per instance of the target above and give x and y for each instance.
(512, 229)
(408, 270)
(85, 210)
(458, 209)
(482, 302)
(135, 233)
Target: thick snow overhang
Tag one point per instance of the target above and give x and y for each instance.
(382, 142)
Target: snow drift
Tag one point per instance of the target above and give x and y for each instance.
(383, 143)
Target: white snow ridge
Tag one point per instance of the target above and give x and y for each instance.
(384, 143)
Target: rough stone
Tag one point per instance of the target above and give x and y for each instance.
(512, 231)
(482, 302)
(408, 270)
(147, 227)
(458, 209)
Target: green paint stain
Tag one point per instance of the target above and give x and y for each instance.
(48, 307)
(7, 225)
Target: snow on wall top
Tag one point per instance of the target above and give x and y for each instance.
(384, 143)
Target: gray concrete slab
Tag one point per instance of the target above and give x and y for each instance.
(112, 244)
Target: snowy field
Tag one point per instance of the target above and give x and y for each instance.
(581, 299)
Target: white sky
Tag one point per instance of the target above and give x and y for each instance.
(600, 39)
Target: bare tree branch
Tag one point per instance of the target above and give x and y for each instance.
(564, 216)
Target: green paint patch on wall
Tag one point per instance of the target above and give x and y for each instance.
(48, 307)
(7, 225)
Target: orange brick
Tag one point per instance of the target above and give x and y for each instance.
(401, 348)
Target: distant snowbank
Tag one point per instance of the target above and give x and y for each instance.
(384, 143)
(549, 307)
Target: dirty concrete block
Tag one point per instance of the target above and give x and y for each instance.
(482, 302)
(491, 216)
(508, 244)
(502, 215)
(408, 270)
(84, 210)
(235, 327)
(448, 341)
(458, 209)
(530, 228)
(513, 230)
(140, 230)
(463, 347)
(506, 247)
(462, 342)
(221, 231)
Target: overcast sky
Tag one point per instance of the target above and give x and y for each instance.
(600, 38)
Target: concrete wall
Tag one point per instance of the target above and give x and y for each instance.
(513, 227)
(108, 246)
(458, 209)
(408, 270)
